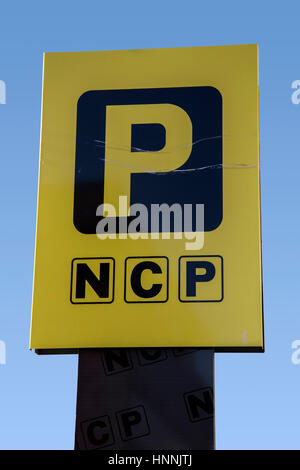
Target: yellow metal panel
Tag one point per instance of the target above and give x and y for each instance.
(223, 311)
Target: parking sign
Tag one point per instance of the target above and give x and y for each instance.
(148, 225)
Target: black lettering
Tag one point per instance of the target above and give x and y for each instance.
(116, 356)
(136, 279)
(195, 403)
(151, 354)
(130, 419)
(92, 433)
(192, 278)
(99, 285)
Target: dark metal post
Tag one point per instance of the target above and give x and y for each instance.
(145, 399)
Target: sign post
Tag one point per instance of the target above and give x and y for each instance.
(145, 399)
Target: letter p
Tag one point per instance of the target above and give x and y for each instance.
(121, 162)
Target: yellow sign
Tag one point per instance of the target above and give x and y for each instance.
(148, 225)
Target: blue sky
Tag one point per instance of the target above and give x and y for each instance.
(257, 404)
